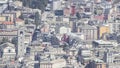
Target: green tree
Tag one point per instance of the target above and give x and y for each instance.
(37, 19)
(25, 3)
(78, 15)
(14, 41)
(4, 40)
(43, 4)
(26, 21)
(66, 46)
(40, 4)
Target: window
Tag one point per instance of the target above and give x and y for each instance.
(9, 50)
(21, 32)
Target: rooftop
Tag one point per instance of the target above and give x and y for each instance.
(102, 42)
(87, 27)
(8, 23)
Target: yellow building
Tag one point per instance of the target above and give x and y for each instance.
(2, 18)
(103, 30)
(18, 3)
(9, 16)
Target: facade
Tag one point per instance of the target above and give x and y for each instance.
(97, 64)
(108, 57)
(97, 1)
(3, 1)
(21, 48)
(56, 5)
(85, 56)
(90, 32)
(103, 30)
(114, 27)
(8, 25)
(103, 44)
(28, 38)
(113, 65)
(58, 63)
(112, 57)
(69, 34)
(19, 22)
(67, 12)
(9, 16)
(2, 18)
(7, 51)
(6, 33)
(45, 28)
(18, 3)
(64, 30)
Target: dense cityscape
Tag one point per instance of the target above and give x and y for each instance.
(59, 33)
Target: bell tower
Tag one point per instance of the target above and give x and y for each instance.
(21, 48)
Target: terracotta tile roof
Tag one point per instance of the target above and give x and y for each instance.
(7, 23)
(101, 17)
(18, 19)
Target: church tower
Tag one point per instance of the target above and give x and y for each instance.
(21, 48)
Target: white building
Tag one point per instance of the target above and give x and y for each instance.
(57, 63)
(56, 4)
(21, 48)
(108, 57)
(64, 30)
(3, 1)
(113, 65)
(85, 52)
(56, 51)
(104, 44)
(7, 51)
(66, 19)
(114, 27)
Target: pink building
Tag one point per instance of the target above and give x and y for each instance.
(73, 10)
(67, 11)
